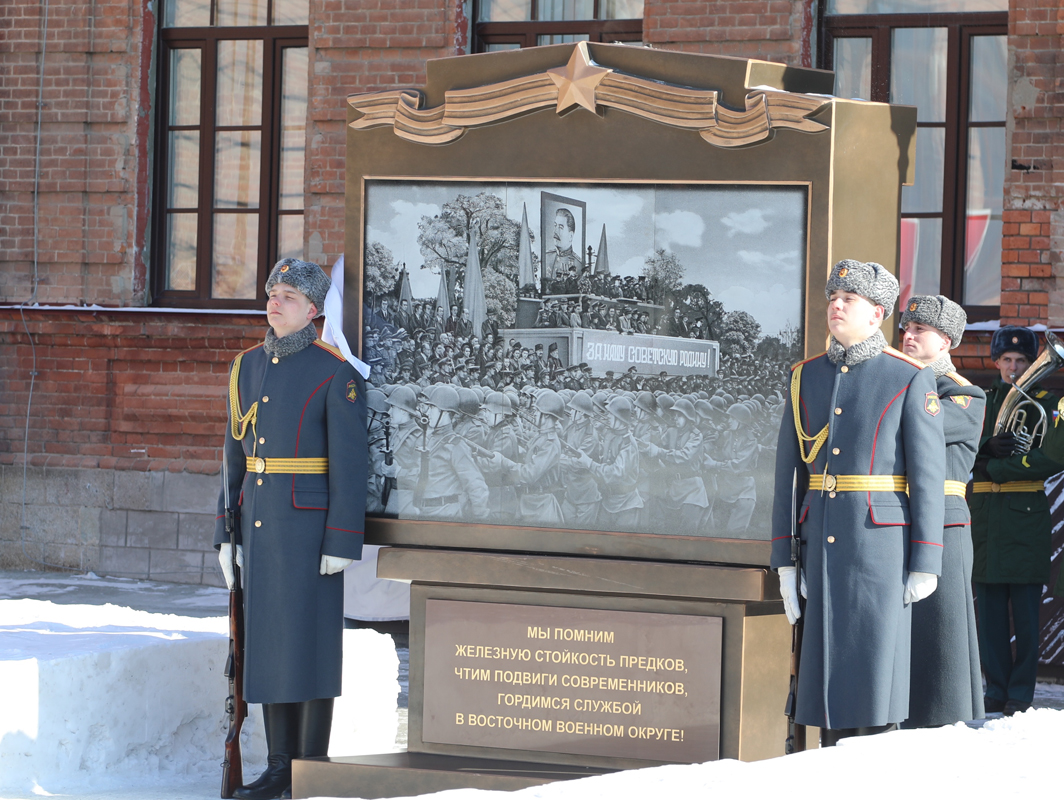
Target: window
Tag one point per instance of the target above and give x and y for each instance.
(510, 24)
(948, 60)
(230, 142)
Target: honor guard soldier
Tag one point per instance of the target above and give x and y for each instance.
(1011, 532)
(861, 441)
(295, 451)
(945, 684)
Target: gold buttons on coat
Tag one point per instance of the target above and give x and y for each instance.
(259, 481)
(831, 540)
(835, 451)
(838, 411)
(831, 494)
(276, 360)
(844, 368)
(262, 440)
(265, 399)
(258, 523)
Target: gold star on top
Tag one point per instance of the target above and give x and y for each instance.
(576, 81)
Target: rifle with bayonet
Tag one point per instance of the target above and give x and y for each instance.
(795, 742)
(235, 707)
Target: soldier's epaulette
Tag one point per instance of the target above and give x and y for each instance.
(1041, 394)
(960, 380)
(328, 348)
(797, 364)
(898, 354)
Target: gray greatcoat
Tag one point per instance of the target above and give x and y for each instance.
(946, 683)
(884, 418)
(311, 404)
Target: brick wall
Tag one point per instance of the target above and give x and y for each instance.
(94, 145)
(1033, 245)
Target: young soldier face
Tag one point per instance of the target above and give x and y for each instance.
(852, 318)
(288, 310)
(923, 342)
(1012, 365)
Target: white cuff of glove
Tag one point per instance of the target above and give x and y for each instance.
(918, 586)
(330, 565)
(789, 591)
(225, 559)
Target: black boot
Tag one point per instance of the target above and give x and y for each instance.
(314, 728)
(282, 729)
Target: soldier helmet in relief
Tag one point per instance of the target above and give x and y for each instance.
(404, 397)
(870, 280)
(550, 402)
(1013, 339)
(305, 276)
(939, 312)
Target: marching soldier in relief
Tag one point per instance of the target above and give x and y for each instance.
(1011, 532)
(862, 439)
(946, 685)
(295, 451)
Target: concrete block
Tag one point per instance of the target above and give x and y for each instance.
(113, 528)
(10, 522)
(195, 532)
(16, 555)
(197, 494)
(65, 556)
(176, 566)
(89, 525)
(58, 524)
(139, 491)
(12, 485)
(79, 487)
(124, 562)
(156, 529)
(212, 571)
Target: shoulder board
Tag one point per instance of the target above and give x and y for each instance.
(1041, 394)
(960, 380)
(328, 348)
(255, 347)
(807, 360)
(898, 354)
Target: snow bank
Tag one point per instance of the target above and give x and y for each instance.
(101, 696)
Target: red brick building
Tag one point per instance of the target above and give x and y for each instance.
(157, 156)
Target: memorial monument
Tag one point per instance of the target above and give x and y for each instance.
(573, 419)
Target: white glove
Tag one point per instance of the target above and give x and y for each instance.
(918, 586)
(330, 565)
(789, 590)
(226, 560)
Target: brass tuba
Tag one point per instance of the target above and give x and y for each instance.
(1014, 410)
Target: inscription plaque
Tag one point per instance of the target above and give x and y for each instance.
(572, 680)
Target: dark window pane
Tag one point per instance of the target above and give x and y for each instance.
(562, 38)
(853, 68)
(240, 13)
(291, 12)
(239, 82)
(290, 236)
(505, 11)
(498, 46)
(237, 161)
(234, 270)
(620, 9)
(186, 13)
(293, 125)
(183, 170)
(926, 193)
(181, 252)
(185, 86)
(565, 10)
(918, 71)
(913, 6)
(989, 70)
(920, 270)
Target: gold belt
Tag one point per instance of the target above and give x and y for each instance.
(983, 487)
(288, 466)
(858, 483)
(955, 488)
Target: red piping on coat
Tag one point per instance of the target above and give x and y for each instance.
(872, 463)
(299, 430)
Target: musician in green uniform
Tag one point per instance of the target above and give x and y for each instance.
(1011, 530)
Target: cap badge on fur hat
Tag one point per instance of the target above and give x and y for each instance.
(1015, 339)
(284, 268)
(912, 306)
(844, 272)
